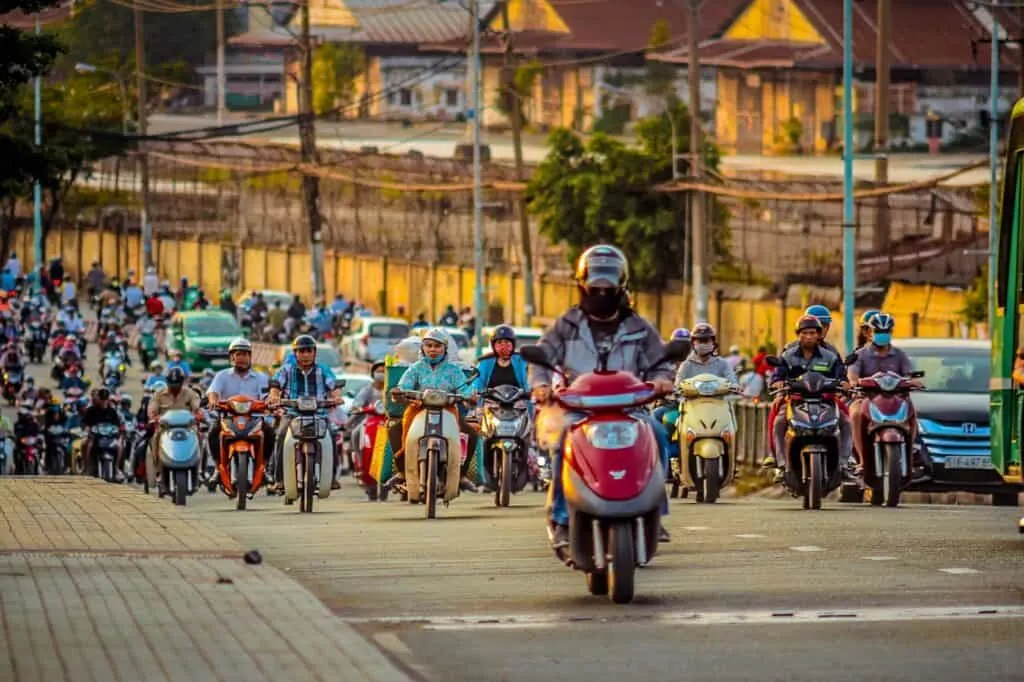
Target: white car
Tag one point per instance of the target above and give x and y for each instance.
(524, 336)
(371, 338)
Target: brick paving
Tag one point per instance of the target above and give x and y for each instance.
(100, 582)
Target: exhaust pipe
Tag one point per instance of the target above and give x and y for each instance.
(641, 542)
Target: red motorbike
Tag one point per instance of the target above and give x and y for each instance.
(890, 427)
(611, 473)
(374, 419)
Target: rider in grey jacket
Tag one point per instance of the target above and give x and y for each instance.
(603, 316)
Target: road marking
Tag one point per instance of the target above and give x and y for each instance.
(391, 643)
(749, 536)
(696, 528)
(958, 571)
(879, 558)
(807, 548)
(778, 616)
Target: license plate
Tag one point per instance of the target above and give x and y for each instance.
(969, 462)
(219, 362)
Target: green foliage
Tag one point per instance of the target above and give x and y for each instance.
(613, 118)
(602, 191)
(335, 69)
(976, 299)
(103, 33)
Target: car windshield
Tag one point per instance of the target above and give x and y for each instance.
(461, 340)
(354, 384)
(389, 330)
(953, 370)
(212, 326)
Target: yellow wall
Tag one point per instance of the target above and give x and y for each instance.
(420, 287)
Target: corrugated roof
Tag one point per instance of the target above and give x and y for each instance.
(408, 22)
(50, 15)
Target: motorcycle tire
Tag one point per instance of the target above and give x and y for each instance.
(429, 483)
(180, 487)
(892, 478)
(309, 486)
(711, 483)
(814, 485)
(242, 480)
(622, 562)
(503, 494)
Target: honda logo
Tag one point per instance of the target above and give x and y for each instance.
(970, 427)
(618, 475)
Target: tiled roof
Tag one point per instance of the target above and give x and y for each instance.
(924, 33)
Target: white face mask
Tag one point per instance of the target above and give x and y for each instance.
(704, 348)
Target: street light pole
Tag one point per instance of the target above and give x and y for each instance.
(37, 188)
(307, 139)
(140, 77)
(478, 223)
(697, 216)
(993, 172)
(849, 228)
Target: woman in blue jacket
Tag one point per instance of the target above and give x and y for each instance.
(503, 366)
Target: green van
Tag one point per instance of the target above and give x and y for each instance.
(203, 337)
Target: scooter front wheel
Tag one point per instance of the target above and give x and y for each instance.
(622, 562)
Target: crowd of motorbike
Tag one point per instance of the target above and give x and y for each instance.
(613, 478)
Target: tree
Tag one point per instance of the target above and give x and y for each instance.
(335, 69)
(975, 308)
(603, 191)
(23, 56)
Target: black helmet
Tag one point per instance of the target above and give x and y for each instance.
(602, 264)
(175, 377)
(304, 341)
(703, 332)
(808, 322)
(103, 393)
(503, 332)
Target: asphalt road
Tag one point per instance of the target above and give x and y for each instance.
(748, 589)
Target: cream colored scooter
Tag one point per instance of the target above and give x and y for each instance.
(706, 430)
(307, 452)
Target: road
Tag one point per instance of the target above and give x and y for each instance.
(433, 139)
(748, 589)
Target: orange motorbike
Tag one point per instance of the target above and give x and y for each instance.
(241, 465)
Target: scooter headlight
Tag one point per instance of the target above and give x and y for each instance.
(888, 382)
(612, 435)
(707, 387)
(241, 406)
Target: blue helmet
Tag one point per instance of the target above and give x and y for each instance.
(819, 311)
(680, 334)
(865, 319)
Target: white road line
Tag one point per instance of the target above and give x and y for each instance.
(749, 536)
(696, 528)
(958, 571)
(879, 558)
(537, 621)
(807, 548)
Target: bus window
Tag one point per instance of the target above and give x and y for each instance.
(1008, 221)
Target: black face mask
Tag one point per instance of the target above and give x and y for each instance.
(601, 305)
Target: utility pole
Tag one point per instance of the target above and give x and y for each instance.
(307, 140)
(140, 77)
(37, 189)
(478, 218)
(993, 172)
(221, 76)
(700, 293)
(882, 234)
(515, 116)
(849, 224)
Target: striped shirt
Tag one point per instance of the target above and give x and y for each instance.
(294, 383)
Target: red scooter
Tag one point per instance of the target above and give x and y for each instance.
(889, 435)
(611, 473)
(375, 419)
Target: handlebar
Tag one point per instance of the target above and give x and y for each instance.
(320, 404)
(450, 398)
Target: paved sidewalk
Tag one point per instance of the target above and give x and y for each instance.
(100, 582)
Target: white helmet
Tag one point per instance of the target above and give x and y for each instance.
(408, 350)
(240, 344)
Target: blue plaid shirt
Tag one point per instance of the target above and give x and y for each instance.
(294, 383)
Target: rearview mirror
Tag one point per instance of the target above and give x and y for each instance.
(917, 374)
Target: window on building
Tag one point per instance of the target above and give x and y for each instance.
(405, 97)
(451, 97)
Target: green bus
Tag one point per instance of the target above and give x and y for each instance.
(1007, 400)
